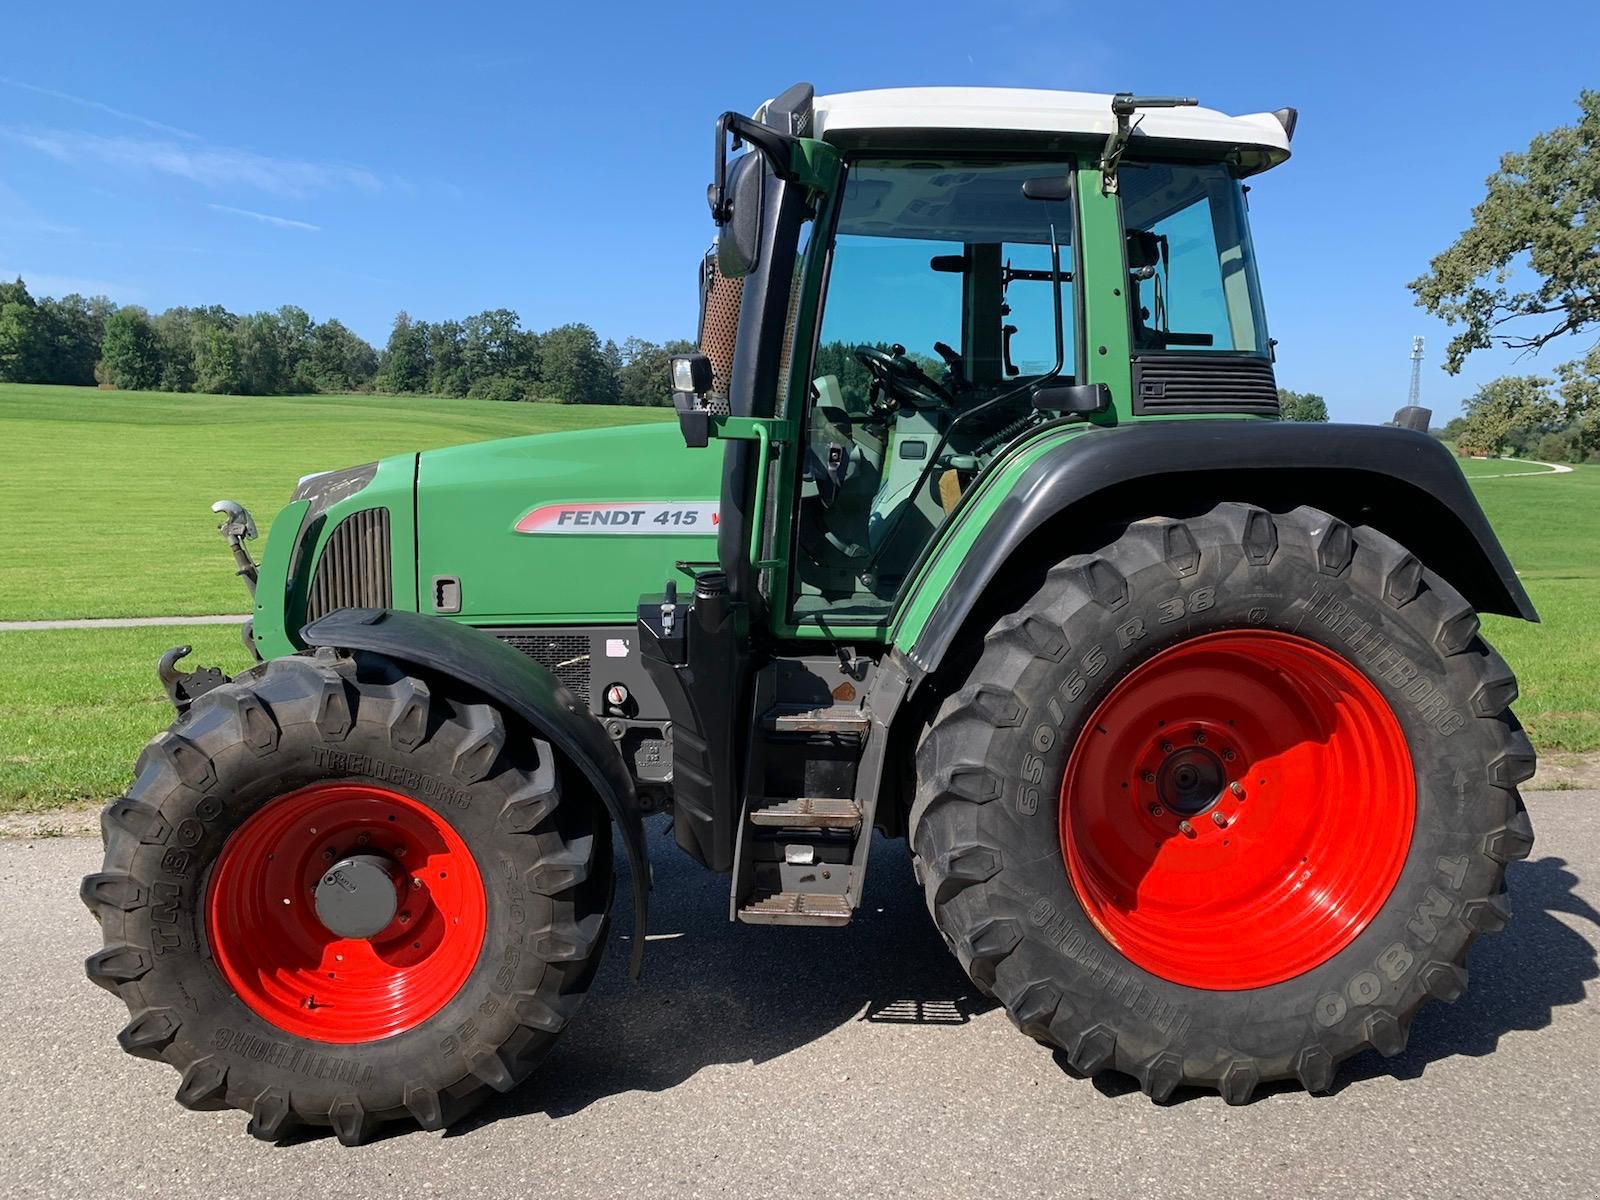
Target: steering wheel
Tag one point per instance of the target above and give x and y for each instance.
(897, 379)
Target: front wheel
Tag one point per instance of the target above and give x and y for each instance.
(1225, 800)
(338, 896)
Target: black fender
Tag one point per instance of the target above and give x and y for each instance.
(1401, 481)
(523, 688)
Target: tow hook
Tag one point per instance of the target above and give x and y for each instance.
(237, 528)
(185, 687)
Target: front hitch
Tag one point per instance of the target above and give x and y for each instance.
(185, 687)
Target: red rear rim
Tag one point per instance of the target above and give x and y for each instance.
(1238, 809)
(292, 971)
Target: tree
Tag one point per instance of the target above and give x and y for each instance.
(1541, 219)
(259, 341)
(216, 359)
(644, 377)
(572, 368)
(20, 357)
(130, 350)
(1502, 407)
(339, 360)
(405, 360)
(1580, 401)
(1302, 406)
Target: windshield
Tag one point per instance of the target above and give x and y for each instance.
(1193, 286)
(941, 305)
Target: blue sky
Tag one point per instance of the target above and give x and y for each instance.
(553, 159)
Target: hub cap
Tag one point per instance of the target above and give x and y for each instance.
(345, 912)
(1238, 809)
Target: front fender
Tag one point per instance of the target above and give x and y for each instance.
(522, 687)
(1401, 481)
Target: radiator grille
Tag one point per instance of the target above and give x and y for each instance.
(1203, 383)
(564, 655)
(354, 570)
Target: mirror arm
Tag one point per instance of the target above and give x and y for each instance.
(777, 148)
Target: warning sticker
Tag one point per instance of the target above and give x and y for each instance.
(646, 517)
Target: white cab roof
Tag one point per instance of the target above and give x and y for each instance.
(1036, 111)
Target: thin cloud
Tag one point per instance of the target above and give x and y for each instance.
(85, 102)
(266, 218)
(44, 283)
(213, 166)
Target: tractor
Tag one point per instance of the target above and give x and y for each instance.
(978, 527)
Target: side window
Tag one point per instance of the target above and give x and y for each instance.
(1193, 285)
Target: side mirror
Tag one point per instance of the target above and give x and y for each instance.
(1074, 399)
(691, 379)
(739, 239)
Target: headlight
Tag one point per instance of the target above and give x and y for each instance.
(328, 488)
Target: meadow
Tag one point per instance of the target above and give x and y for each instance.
(104, 512)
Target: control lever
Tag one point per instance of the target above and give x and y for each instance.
(669, 608)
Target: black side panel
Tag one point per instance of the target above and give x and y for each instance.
(524, 688)
(702, 667)
(1402, 481)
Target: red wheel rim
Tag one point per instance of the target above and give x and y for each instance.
(1238, 809)
(291, 970)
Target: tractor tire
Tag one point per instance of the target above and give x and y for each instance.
(303, 798)
(1224, 801)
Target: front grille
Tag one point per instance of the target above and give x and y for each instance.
(354, 570)
(1203, 383)
(564, 655)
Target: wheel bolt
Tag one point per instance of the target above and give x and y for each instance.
(327, 856)
(416, 884)
(1166, 747)
(1220, 820)
(1200, 737)
(1237, 789)
(1149, 776)
(1186, 829)
(1157, 811)
(362, 840)
(1227, 756)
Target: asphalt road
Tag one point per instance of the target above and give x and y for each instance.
(858, 1062)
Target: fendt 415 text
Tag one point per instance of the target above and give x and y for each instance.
(979, 528)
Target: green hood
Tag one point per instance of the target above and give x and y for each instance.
(563, 527)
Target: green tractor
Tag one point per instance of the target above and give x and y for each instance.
(1182, 709)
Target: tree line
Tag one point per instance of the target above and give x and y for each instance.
(89, 340)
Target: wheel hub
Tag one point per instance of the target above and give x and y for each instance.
(358, 896)
(1190, 781)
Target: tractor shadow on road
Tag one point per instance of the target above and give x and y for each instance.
(715, 992)
(1516, 981)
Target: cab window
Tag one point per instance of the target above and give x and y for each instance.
(940, 307)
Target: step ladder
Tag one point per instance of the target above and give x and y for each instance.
(799, 859)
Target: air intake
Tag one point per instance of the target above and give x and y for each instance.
(354, 571)
(1203, 383)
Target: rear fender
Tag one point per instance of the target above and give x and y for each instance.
(523, 688)
(1404, 482)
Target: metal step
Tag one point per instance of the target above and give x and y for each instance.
(795, 908)
(808, 812)
(806, 718)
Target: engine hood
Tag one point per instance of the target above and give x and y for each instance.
(565, 528)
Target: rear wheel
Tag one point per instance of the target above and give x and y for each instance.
(335, 897)
(1225, 801)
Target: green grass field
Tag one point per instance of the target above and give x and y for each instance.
(105, 497)
(104, 501)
